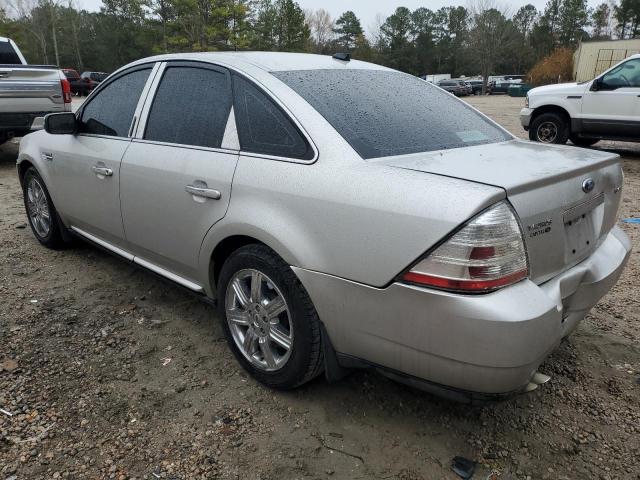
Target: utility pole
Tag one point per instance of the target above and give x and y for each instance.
(53, 31)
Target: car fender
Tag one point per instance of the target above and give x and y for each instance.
(30, 152)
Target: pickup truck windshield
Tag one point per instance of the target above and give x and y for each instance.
(384, 113)
(8, 55)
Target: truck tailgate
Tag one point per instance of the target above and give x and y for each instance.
(30, 89)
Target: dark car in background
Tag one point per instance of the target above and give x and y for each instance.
(476, 87)
(79, 85)
(94, 78)
(456, 87)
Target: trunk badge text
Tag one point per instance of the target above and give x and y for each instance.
(588, 185)
(539, 228)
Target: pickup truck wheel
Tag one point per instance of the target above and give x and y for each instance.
(549, 128)
(270, 322)
(583, 142)
(41, 213)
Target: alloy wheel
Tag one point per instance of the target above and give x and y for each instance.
(259, 320)
(38, 208)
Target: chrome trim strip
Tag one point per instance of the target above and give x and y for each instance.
(171, 276)
(139, 261)
(108, 137)
(104, 244)
(189, 147)
(582, 208)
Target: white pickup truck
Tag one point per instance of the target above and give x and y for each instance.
(27, 91)
(607, 107)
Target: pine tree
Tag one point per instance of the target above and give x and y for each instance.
(574, 18)
(348, 29)
(601, 19)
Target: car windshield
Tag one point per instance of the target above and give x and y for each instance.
(384, 113)
(71, 74)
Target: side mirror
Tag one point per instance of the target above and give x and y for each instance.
(596, 85)
(61, 123)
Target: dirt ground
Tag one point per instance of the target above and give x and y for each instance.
(110, 372)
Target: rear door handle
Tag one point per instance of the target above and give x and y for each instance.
(203, 192)
(104, 171)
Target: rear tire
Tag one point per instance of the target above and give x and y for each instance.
(549, 128)
(281, 350)
(583, 142)
(42, 214)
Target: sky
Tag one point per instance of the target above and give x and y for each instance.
(368, 10)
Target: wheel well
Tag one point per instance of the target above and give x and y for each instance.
(23, 166)
(552, 109)
(222, 251)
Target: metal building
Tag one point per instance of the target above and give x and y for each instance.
(593, 58)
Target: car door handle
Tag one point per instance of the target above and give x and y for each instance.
(104, 171)
(203, 192)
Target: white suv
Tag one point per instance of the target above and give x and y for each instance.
(605, 108)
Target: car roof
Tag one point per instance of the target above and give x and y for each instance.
(268, 61)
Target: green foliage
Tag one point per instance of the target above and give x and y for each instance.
(601, 21)
(281, 26)
(348, 29)
(628, 16)
(471, 40)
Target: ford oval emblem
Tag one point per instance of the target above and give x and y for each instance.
(588, 185)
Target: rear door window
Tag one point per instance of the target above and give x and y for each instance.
(110, 111)
(263, 127)
(191, 106)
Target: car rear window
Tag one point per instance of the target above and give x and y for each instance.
(71, 74)
(8, 55)
(384, 113)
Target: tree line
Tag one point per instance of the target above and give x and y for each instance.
(481, 38)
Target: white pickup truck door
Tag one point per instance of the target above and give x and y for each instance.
(86, 166)
(614, 109)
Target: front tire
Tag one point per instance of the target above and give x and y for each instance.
(269, 320)
(41, 212)
(549, 128)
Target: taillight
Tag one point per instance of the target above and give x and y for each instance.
(66, 90)
(487, 253)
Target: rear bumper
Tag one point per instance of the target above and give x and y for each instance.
(525, 117)
(489, 344)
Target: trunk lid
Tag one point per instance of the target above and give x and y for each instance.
(567, 198)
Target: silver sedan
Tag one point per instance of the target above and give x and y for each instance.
(342, 214)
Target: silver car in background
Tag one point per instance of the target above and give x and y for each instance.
(342, 214)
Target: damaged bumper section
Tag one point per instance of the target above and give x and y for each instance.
(467, 347)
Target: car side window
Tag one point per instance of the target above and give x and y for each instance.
(111, 110)
(262, 125)
(191, 107)
(626, 75)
